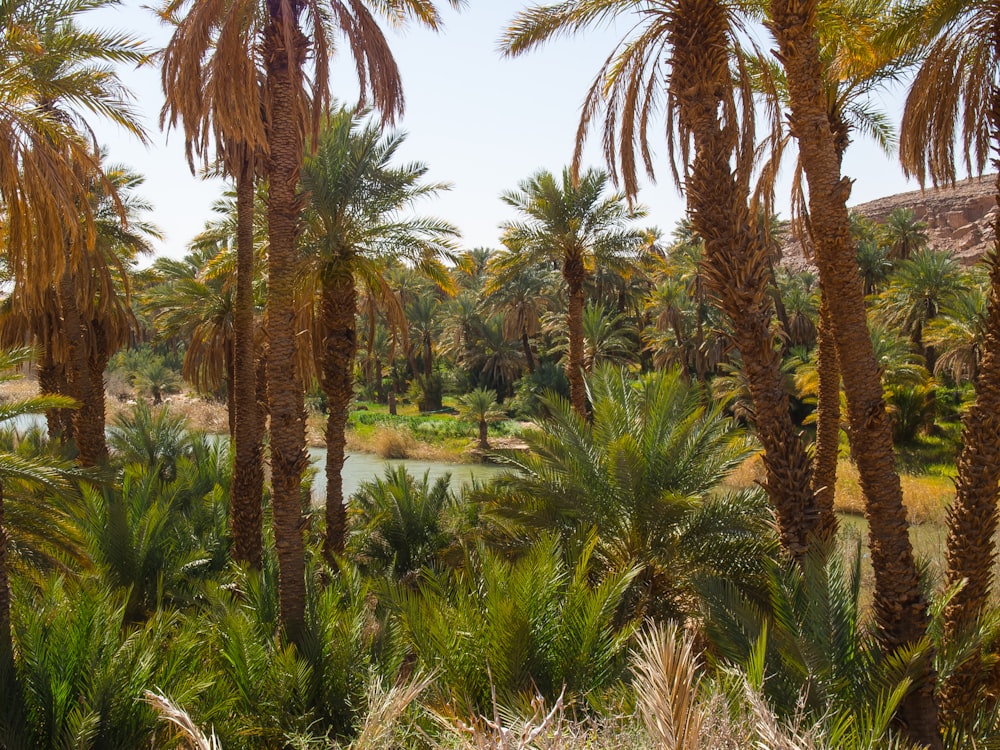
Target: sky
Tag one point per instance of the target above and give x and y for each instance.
(480, 122)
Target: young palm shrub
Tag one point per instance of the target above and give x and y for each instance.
(808, 650)
(150, 437)
(82, 668)
(480, 406)
(161, 539)
(398, 523)
(266, 694)
(644, 478)
(505, 631)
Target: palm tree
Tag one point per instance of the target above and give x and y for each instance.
(682, 60)
(195, 304)
(42, 472)
(213, 89)
(53, 75)
(644, 479)
(398, 522)
(903, 234)
(56, 76)
(955, 98)
(956, 334)
(355, 227)
(291, 108)
(814, 79)
(480, 406)
(520, 295)
(916, 292)
(571, 222)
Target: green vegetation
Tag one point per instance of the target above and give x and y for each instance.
(741, 505)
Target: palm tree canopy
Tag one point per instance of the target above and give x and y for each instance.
(644, 475)
(54, 78)
(953, 96)
(572, 221)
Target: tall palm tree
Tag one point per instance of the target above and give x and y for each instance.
(102, 281)
(198, 307)
(293, 109)
(903, 234)
(570, 221)
(289, 109)
(813, 78)
(682, 60)
(520, 295)
(56, 76)
(355, 227)
(955, 97)
(212, 82)
(916, 292)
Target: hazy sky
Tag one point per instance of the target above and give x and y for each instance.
(479, 122)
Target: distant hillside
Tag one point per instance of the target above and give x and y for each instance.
(958, 218)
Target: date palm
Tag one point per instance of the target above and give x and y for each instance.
(813, 78)
(57, 77)
(356, 225)
(955, 99)
(480, 406)
(294, 35)
(682, 60)
(645, 474)
(571, 221)
(520, 295)
(211, 77)
(53, 76)
(916, 292)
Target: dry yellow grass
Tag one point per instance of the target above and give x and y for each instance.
(926, 497)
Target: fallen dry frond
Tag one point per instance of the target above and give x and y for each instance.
(174, 714)
(666, 670)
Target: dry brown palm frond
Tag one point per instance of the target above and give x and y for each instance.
(385, 708)
(170, 712)
(667, 679)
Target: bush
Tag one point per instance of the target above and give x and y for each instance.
(393, 442)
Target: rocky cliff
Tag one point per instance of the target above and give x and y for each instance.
(958, 218)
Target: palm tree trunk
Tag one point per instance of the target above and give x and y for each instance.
(88, 426)
(230, 365)
(248, 466)
(899, 605)
(972, 518)
(827, 449)
(285, 396)
(339, 348)
(737, 267)
(528, 356)
(97, 362)
(51, 372)
(573, 272)
(484, 442)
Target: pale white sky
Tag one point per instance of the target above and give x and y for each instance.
(479, 122)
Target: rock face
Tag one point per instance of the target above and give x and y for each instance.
(959, 218)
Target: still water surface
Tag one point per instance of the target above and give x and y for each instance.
(363, 467)
(358, 467)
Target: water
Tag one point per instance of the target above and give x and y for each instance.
(363, 467)
(358, 467)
